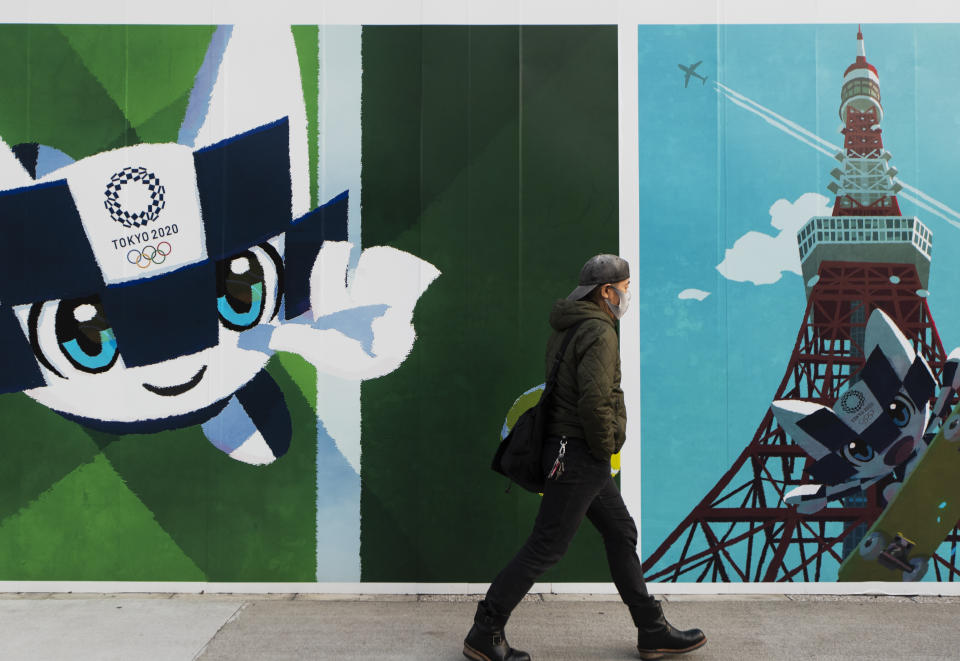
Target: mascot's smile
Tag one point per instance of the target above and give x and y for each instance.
(172, 391)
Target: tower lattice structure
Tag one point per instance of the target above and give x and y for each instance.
(864, 256)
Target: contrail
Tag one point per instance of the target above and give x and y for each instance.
(758, 109)
(919, 193)
(811, 139)
(922, 205)
(769, 119)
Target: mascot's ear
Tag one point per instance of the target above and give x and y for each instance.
(790, 413)
(951, 373)
(12, 172)
(249, 78)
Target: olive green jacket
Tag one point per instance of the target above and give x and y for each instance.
(587, 402)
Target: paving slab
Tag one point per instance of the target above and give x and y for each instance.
(312, 596)
(108, 595)
(724, 597)
(212, 627)
(108, 629)
(242, 597)
(25, 595)
(929, 599)
(577, 596)
(854, 598)
(474, 598)
(778, 630)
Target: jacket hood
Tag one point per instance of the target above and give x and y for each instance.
(566, 313)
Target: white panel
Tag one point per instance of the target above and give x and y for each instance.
(130, 253)
(630, 214)
(102, 587)
(338, 399)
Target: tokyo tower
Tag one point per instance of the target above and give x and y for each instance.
(865, 255)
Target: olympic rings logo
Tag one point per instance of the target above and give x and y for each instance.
(150, 255)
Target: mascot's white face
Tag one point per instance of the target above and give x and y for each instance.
(128, 394)
(134, 237)
(142, 219)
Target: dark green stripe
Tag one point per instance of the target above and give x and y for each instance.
(492, 153)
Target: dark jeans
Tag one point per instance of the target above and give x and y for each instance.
(585, 488)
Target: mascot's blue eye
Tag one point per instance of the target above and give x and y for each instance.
(85, 336)
(900, 411)
(240, 291)
(859, 451)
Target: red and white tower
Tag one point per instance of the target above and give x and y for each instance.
(865, 255)
(865, 185)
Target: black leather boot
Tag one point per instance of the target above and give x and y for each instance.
(657, 638)
(487, 641)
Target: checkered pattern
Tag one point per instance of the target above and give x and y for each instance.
(139, 176)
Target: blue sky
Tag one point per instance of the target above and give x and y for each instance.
(710, 172)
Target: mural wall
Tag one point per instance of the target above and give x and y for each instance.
(268, 292)
(798, 217)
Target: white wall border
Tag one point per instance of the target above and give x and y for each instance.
(732, 589)
(490, 12)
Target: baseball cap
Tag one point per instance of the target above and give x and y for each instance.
(599, 270)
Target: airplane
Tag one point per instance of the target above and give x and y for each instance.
(689, 71)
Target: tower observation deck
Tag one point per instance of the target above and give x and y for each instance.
(866, 225)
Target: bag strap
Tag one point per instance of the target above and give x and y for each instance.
(552, 380)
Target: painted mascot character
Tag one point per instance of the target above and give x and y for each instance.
(145, 288)
(880, 426)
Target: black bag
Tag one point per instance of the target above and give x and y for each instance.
(518, 456)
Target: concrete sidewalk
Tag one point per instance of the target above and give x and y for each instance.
(237, 627)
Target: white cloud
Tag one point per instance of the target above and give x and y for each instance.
(698, 294)
(762, 258)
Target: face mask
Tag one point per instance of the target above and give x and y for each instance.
(619, 310)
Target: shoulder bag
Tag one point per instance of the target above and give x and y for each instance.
(518, 456)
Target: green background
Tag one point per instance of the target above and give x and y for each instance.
(491, 152)
(76, 504)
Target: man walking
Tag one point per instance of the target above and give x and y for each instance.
(585, 424)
